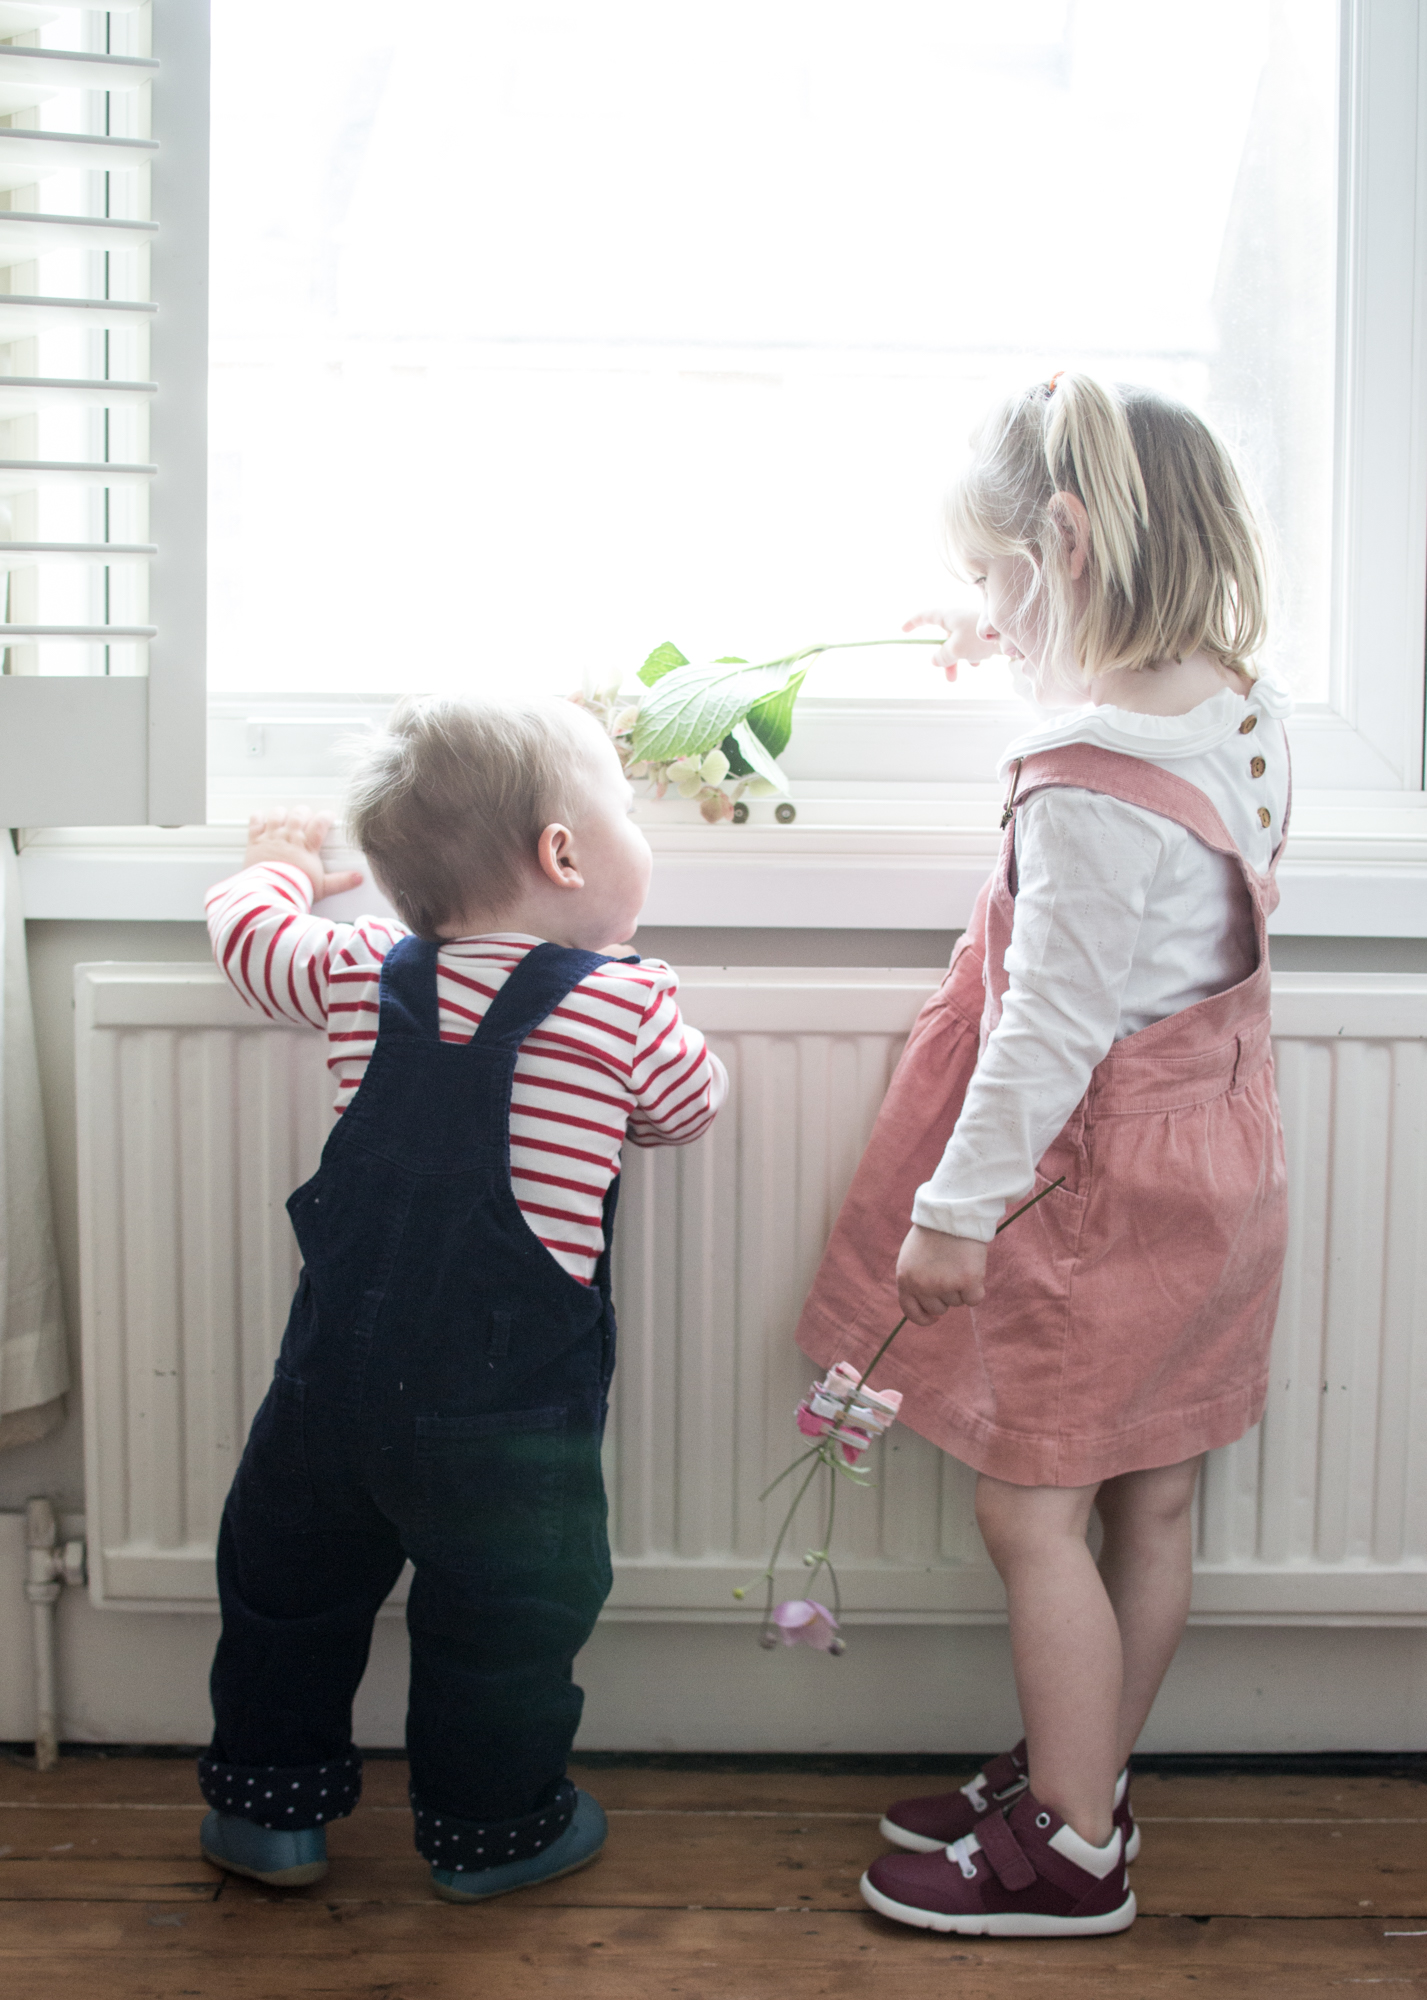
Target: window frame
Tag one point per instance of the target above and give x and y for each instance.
(1368, 736)
(80, 752)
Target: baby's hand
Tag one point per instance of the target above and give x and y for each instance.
(936, 1272)
(963, 647)
(294, 835)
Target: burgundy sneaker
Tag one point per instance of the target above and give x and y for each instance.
(922, 1825)
(1024, 1874)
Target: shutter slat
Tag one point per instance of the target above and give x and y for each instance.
(20, 394)
(21, 555)
(25, 475)
(65, 69)
(29, 157)
(23, 235)
(90, 635)
(22, 316)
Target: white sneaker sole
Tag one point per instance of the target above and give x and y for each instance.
(918, 1843)
(915, 1843)
(1001, 1923)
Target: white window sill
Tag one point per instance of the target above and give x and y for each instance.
(1356, 865)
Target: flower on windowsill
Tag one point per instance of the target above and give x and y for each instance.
(802, 1621)
(711, 731)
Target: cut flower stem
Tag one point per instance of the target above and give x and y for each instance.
(832, 1452)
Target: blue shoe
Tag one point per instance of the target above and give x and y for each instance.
(580, 1842)
(282, 1860)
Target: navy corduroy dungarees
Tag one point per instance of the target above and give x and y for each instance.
(440, 1395)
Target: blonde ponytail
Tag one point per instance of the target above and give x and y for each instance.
(1174, 558)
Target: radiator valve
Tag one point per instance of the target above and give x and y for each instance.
(49, 1565)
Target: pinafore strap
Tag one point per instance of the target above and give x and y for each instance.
(1086, 768)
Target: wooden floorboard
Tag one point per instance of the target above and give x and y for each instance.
(717, 1885)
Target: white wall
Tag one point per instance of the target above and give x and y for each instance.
(689, 1686)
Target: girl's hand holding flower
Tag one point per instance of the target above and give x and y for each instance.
(936, 1272)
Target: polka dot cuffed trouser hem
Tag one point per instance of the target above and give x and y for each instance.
(283, 1796)
(470, 1844)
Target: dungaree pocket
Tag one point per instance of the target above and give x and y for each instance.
(490, 1489)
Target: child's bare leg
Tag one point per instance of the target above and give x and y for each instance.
(1065, 1644)
(1145, 1563)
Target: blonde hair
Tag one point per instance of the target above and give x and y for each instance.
(1175, 559)
(449, 803)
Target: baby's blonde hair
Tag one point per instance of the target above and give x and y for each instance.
(1175, 558)
(449, 802)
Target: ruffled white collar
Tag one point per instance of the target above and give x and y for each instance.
(1169, 736)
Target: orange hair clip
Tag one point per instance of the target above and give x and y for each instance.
(1050, 386)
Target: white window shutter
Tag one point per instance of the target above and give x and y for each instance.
(103, 404)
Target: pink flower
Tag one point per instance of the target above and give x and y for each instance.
(802, 1621)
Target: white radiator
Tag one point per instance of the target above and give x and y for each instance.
(197, 1118)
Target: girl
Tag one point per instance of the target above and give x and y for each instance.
(1104, 1025)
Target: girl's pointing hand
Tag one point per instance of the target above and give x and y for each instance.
(964, 644)
(936, 1272)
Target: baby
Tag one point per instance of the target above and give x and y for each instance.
(441, 1390)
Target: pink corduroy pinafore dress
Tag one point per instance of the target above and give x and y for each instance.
(1128, 1316)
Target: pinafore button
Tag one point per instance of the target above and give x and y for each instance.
(1257, 768)
(1249, 722)
(1265, 816)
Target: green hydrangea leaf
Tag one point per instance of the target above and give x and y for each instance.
(737, 763)
(756, 757)
(661, 661)
(692, 708)
(771, 719)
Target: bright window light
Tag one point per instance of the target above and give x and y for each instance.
(543, 332)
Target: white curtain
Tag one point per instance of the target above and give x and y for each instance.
(34, 1367)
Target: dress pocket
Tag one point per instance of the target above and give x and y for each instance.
(490, 1489)
(274, 1479)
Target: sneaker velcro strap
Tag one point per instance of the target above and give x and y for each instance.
(1014, 1869)
(1003, 1774)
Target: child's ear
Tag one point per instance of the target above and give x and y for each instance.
(1067, 510)
(555, 851)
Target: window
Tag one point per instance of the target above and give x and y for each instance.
(551, 332)
(103, 256)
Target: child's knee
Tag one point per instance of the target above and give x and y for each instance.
(1017, 1520)
(1149, 1506)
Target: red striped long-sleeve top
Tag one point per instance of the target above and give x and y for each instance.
(615, 1059)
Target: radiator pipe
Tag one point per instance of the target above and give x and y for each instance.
(49, 1565)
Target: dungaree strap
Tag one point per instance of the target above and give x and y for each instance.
(409, 1009)
(408, 991)
(535, 989)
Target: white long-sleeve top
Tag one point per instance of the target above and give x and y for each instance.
(1122, 918)
(615, 1060)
